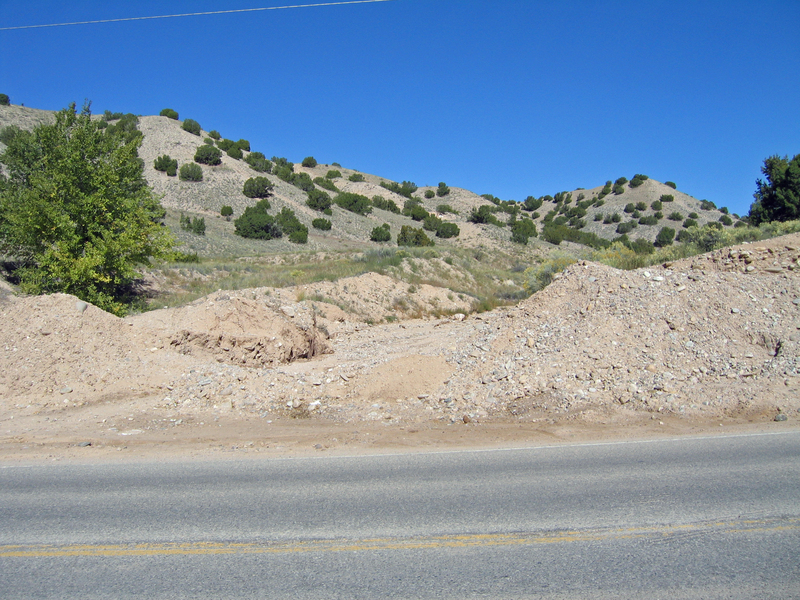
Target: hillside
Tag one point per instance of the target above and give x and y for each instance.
(587, 210)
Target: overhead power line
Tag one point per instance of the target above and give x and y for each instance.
(195, 14)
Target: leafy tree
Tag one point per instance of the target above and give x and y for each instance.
(169, 113)
(618, 188)
(483, 214)
(291, 226)
(671, 184)
(356, 177)
(726, 220)
(225, 144)
(629, 207)
(235, 152)
(4, 100)
(605, 191)
(323, 224)
(641, 206)
(256, 223)
(258, 162)
(309, 162)
(127, 127)
(665, 237)
(689, 223)
(418, 213)
(707, 205)
(429, 194)
(333, 174)
(531, 203)
(675, 216)
(409, 236)
(257, 187)
(431, 223)
(656, 205)
(381, 234)
(166, 164)
(638, 180)
(356, 203)
(191, 126)
(302, 181)
(448, 230)
(214, 134)
(76, 215)
(318, 200)
(226, 211)
(694, 215)
(207, 155)
(406, 188)
(648, 220)
(243, 145)
(777, 198)
(442, 190)
(191, 172)
(522, 230)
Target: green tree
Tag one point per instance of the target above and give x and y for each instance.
(208, 155)
(166, 164)
(191, 126)
(322, 224)
(448, 230)
(190, 172)
(257, 187)
(381, 234)
(309, 162)
(409, 236)
(777, 198)
(258, 162)
(318, 200)
(76, 214)
(665, 237)
(226, 211)
(169, 113)
(4, 100)
(256, 223)
(214, 134)
(235, 152)
(356, 203)
(442, 190)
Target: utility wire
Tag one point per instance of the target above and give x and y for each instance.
(196, 14)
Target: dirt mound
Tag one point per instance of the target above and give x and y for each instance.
(238, 330)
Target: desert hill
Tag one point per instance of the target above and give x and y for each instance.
(587, 210)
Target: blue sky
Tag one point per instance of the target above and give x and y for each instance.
(504, 97)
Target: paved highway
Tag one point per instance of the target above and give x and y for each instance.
(714, 517)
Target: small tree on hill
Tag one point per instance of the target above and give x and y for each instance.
(257, 187)
(665, 237)
(381, 234)
(191, 126)
(169, 113)
(777, 198)
(191, 172)
(4, 100)
(226, 211)
(166, 165)
(318, 200)
(442, 190)
(309, 162)
(208, 155)
(409, 236)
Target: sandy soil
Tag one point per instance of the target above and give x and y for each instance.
(702, 346)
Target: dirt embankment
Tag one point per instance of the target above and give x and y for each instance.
(708, 340)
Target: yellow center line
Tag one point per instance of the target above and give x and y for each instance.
(401, 543)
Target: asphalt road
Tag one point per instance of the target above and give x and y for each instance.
(715, 517)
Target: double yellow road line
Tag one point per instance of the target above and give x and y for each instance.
(654, 533)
